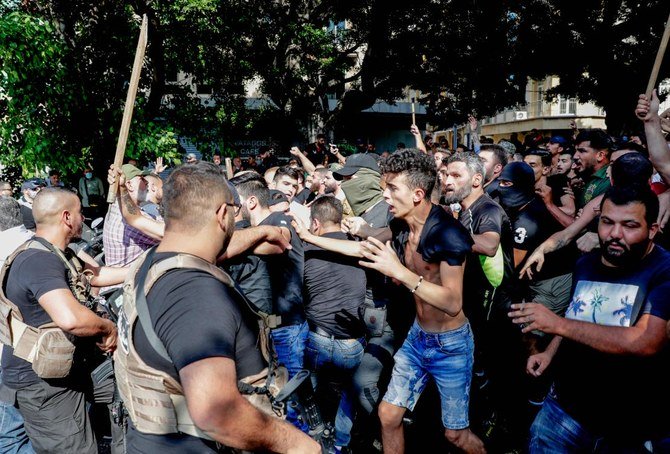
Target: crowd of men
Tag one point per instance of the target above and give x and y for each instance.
(525, 284)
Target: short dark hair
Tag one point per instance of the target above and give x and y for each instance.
(191, 192)
(290, 172)
(597, 139)
(633, 147)
(544, 155)
(625, 195)
(327, 208)
(252, 184)
(499, 152)
(53, 172)
(417, 166)
(320, 136)
(631, 169)
(10, 213)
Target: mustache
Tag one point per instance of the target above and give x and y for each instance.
(617, 242)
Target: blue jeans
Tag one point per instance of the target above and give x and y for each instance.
(447, 357)
(343, 356)
(289, 345)
(13, 437)
(556, 432)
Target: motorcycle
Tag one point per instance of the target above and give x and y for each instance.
(91, 240)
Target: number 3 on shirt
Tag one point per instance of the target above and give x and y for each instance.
(520, 236)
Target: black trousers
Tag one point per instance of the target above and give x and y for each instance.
(56, 419)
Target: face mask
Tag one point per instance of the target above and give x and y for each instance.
(89, 175)
(363, 191)
(512, 198)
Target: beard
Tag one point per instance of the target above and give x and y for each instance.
(330, 188)
(626, 255)
(244, 211)
(457, 195)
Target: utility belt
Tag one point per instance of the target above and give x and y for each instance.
(316, 329)
(49, 350)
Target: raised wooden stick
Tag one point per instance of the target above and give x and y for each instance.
(229, 168)
(413, 110)
(130, 104)
(659, 59)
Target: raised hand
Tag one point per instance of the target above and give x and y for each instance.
(472, 121)
(159, 167)
(414, 129)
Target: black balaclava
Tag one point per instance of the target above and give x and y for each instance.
(522, 190)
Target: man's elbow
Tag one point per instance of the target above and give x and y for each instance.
(644, 350)
(68, 322)
(218, 418)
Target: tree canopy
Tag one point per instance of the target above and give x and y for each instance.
(65, 66)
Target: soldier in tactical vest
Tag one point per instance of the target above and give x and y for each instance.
(186, 337)
(48, 330)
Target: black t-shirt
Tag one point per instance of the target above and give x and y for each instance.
(304, 196)
(286, 274)
(33, 274)
(531, 226)
(251, 273)
(485, 274)
(334, 290)
(196, 317)
(316, 153)
(443, 238)
(558, 184)
(28, 218)
(621, 396)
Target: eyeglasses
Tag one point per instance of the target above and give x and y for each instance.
(237, 207)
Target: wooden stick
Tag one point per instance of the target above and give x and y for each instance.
(130, 104)
(659, 59)
(229, 168)
(413, 110)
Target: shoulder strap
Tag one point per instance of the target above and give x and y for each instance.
(4, 273)
(142, 307)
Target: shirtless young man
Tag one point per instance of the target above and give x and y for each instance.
(427, 255)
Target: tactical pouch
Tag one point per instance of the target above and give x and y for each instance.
(47, 348)
(374, 319)
(261, 389)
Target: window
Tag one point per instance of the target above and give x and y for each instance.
(567, 106)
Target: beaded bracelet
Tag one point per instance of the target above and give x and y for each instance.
(417, 285)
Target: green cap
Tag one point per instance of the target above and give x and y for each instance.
(130, 172)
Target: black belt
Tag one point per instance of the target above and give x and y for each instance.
(322, 332)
